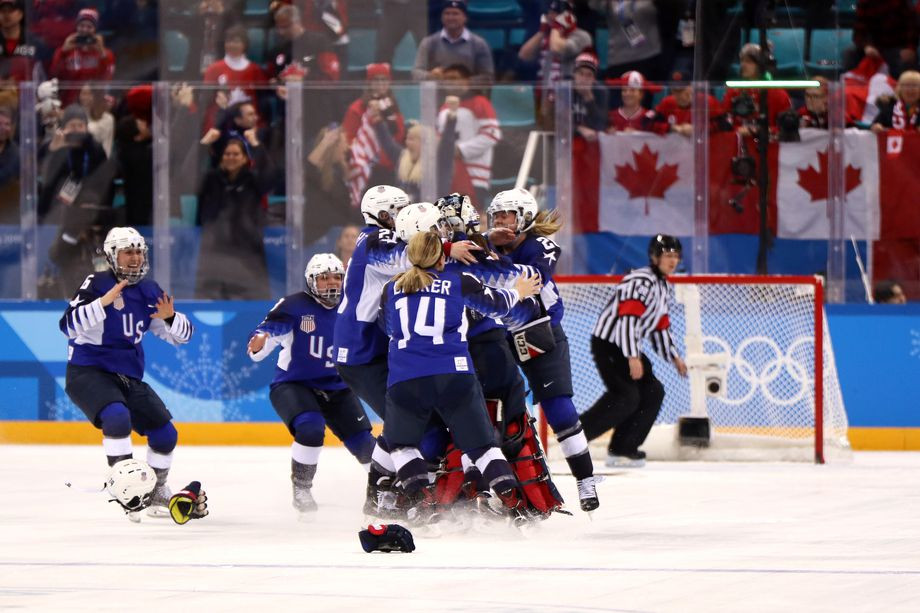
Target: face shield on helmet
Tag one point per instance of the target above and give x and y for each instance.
(421, 217)
(325, 275)
(383, 199)
(121, 239)
(519, 201)
(131, 483)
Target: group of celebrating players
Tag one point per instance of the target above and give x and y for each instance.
(430, 324)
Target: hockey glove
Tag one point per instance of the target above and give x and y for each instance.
(190, 503)
(386, 538)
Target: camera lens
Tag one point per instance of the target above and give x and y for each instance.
(713, 385)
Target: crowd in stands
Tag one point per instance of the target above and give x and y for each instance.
(630, 62)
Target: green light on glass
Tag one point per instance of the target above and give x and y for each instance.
(789, 84)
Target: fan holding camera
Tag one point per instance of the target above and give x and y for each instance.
(83, 56)
(744, 104)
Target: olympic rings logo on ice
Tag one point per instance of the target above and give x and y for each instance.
(794, 366)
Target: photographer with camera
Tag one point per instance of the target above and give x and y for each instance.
(83, 56)
(638, 310)
(743, 105)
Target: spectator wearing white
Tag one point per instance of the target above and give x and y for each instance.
(454, 44)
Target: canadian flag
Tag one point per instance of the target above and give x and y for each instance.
(646, 184)
(803, 186)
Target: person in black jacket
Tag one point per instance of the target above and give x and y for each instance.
(231, 260)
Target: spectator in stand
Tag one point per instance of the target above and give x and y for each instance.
(392, 30)
(889, 292)
(375, 110)
(902, 113)
(889, 26)
(135, 27)
(101, 122)
(477, 132)
(328, 18)
(234, 122)
(9, 168)
(814, 113)
(589, 118)
(18, 56)
(675, 111)
(754, 67)
(237, 76)
(326, 186)
(555, 45)
(232, 220)
(345, 243)
(634, 40)
(454, 45)
(53, 20)
(135, 155)
(631, 116)
(83, 56)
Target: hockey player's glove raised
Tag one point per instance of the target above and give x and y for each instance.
(386, 538)
(190, 503)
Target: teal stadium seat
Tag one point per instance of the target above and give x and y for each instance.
(362, 45)
(256, 51)
(600, 45)
(404, 55)
(514, 105)
(256, 8)
(826, 55)
(788, 49)
(494, 10)
(495, 37)
(176, 50)
(409, 101)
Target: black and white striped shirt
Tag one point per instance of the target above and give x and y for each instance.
(638, 310)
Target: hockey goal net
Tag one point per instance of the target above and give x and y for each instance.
(761, 340)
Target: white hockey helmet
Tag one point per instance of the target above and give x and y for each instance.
(119, 239)
(321, 264)
(382, 199)
(459, 211)
(421, 217)
(131, 483)
(518, 200)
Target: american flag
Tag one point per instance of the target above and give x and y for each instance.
(365, 152)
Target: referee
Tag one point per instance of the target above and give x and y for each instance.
(638, 310)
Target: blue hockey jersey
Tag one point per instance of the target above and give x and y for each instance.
(427, 329)
(543, 254)
(304, 329)
(110, 337)
(378, 255)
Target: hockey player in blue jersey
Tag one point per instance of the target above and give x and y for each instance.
(430, 369)
(522, 233)
(360, 346)
(307, 392)
(105, 323)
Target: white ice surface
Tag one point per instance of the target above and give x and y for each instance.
(668, 537)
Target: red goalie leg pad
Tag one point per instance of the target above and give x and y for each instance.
(530, 468)
(449, 483)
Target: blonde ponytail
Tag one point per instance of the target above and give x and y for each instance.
(424, 251)
(545, 223)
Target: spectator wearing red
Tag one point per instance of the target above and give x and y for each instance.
(589, 118)
(83, 56)
(888, 26)
(675, 111)
(379, 80)
(754, 67)
(814, 113)
(556, 44)
(235, 70)
(17, 55)
(902, 113)
(631, 116)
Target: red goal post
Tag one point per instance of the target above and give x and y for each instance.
(767, 337)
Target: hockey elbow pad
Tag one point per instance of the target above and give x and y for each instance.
(190, 503)
(386, 538)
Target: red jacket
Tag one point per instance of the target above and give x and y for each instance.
(81, 64)
(777, 102)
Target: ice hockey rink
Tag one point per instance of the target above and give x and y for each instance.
(672, 536)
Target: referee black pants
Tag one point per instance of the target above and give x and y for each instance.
(628, 406)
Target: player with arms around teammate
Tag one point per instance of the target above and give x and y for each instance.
(520, 231)
(307, 392)
(105, 323)
(638, 310)
(430, 369)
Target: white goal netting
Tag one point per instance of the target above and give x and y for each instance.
(760, 336)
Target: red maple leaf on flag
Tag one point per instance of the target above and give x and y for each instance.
(815, 181)
(646, 180)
